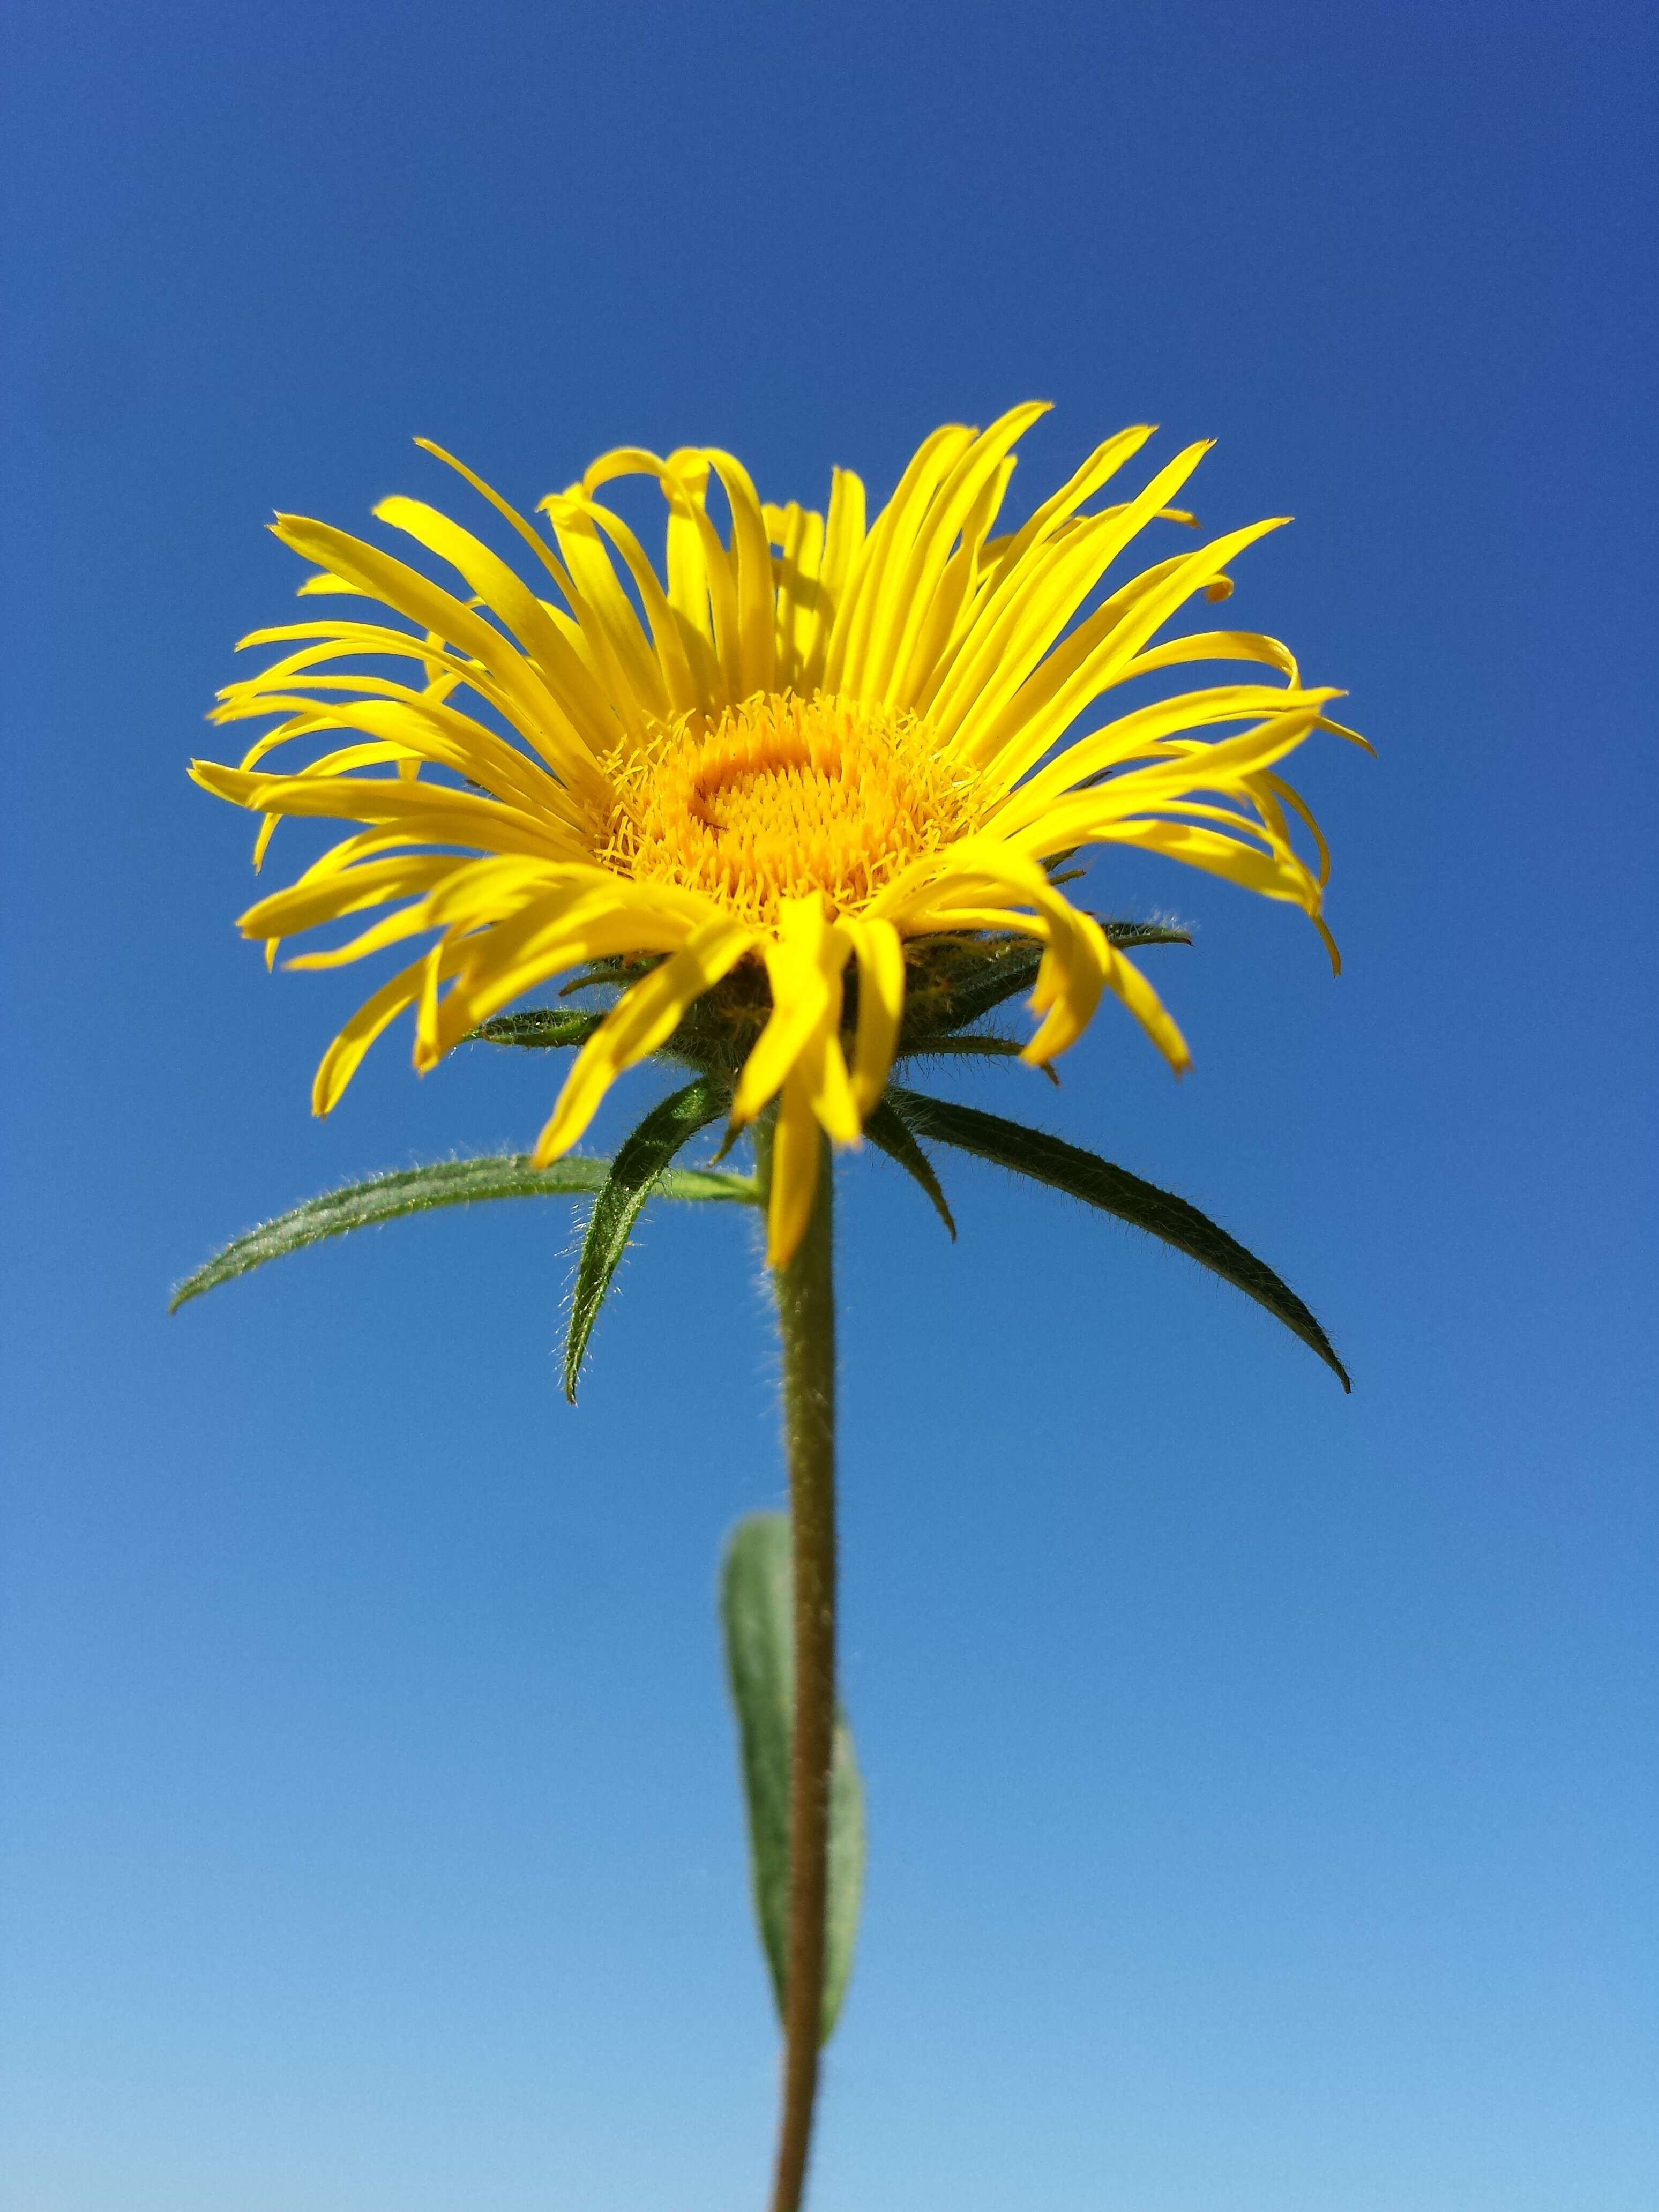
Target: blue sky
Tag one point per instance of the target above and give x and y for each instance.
(1262, 1783)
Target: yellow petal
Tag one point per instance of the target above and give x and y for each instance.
(435, 815)
(752, 565)
(1079, 959)
(797, 1157)
(1011, 735)
(953, 602)
(889, 541)
(544, 720)
(1102, 465)
(1217, 644)
(829, 1087)
(646, 1017)
(1032, 604)
(525, 530)
(843, 545)
(327, 897)
(1144, 732)
(342, 1060)
(881, 1007)
(798, 536)
(505, 591)
(502, 964)
(629, 662)
(803, 965)
(911, 572)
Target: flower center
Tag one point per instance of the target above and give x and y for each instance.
(782, 796)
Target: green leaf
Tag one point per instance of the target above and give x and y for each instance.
(989, 973)
(1131, 933)
(758, 1615)
(418, 1190)
(889, 1134)
(965, 1046)
(538, 1025)
(1097, 1183)
(961, 982)
(635, 1173)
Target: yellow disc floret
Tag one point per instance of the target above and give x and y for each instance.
(782, 796)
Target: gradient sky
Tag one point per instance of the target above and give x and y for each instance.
(1262, 1782)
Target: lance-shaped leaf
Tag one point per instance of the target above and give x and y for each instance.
(964, 1046)
(758, 1615)
(542, 1026)
(418, 1190)
(960, 989)
(983, 972)
(1115, 1190)
(1132, 933)
(889, 1134)
(637, 1171)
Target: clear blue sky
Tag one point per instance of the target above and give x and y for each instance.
(1262, 1782)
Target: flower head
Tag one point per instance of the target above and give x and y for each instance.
(813, 753)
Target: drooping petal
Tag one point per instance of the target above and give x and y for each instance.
(345, 1056)
(951, 893)
(308, 904)
(642, 1020)
(804, 964)
(797, 1161)
(1217, 644)
(881, 1007)
(1143, 735)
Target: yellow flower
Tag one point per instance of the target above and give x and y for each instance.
(825, 745)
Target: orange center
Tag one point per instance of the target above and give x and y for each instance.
(782, 796)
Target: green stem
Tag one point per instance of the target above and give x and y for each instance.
(806, 1326)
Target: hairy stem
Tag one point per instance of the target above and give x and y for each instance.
(806, 1326)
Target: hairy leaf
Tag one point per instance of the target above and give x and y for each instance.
(958, 982)
(1131, 933)
(964, 1046)
(637, 1170)
(955, 981)
(889, 1134)
(538, 1025)
(418, 1190)
(1097, 1183)
(758, 1615)
(959, 985)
